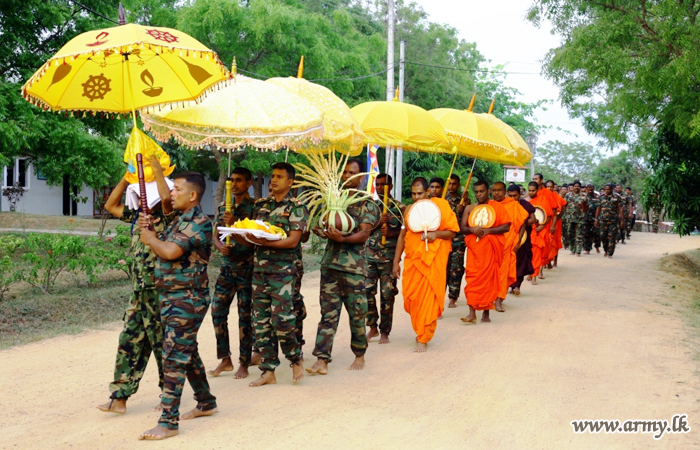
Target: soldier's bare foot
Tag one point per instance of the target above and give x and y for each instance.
(597, 250)
(578, 255)
(267, 377)
(255, 359)
(158, 433)
(610, 257)
(516, 291)
(320, 367)
(420, 347)
(241, 373)
(471, 317)
(358, 364)
(224, 366)
(115, 405)
(372, 333)
(587, 252)
(196, 412)
(384, 339)
(485, 316)
(297, 371)
(453, 303)
(499, 305)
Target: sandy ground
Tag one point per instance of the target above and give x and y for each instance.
(598, 339)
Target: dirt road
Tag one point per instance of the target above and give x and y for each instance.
(598, 339)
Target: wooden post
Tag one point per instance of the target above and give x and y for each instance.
(384, 209)
(142, 183)
(227, 201)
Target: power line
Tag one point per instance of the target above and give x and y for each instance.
(470, 70)
(93, 11)
(356, 78)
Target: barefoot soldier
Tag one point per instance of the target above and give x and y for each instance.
(182, 251)
(590, 230)
(143, 331)
(576, 209)
(274, 276)
(298, 305)
(343, 271)
(608, 216)
(235, 279)
(622, 226)
(484, 254)
(425, 266)
(455, 263)
(631, 212)
(380, 263)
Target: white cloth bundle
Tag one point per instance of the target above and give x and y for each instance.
(132, 194)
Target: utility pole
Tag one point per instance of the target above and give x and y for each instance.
(398, 179)
(532, 143)
(389, 151)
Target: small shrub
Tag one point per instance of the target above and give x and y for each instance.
(13, 194)
(49, 255)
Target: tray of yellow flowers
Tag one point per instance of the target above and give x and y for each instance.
(257, 228)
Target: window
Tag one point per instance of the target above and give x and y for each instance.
(19, 172)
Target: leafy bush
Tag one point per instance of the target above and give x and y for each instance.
(49, 255)
(8, 268)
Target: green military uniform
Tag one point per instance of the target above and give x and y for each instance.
(380, 264)
(143, 330)
(622, 223)
(566, 239)
(576, 205)
(343, 271)
(183, 286)
(590, 234)
(298, 299)
(629, 223)
(609, 220)
(455, 261)
(273, 284)
(236, 277)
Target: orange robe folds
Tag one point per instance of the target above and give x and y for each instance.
(425, 275)
(541, 240)
(483, 261)
(556, 238)
(507, 273)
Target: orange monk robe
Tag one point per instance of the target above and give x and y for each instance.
(548, 196)
(425, 275)
(483, 261)
(556, 237)
(540, 240)
(507, 273)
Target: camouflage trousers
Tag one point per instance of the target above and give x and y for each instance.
(621, 226)
(338, 289)
(141, 335)
(591, 236)
(575, 233)
(629, 224)
(455, 273)
(234, 281)
(183, 312)
(379, 275)
(273, 314)
(566, 238)
(608, 234)
(298, 303)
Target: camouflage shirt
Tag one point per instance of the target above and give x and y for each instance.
(593, 204)
(290, 215)
(457, 241)
(575, 205)
(375, 250)
(143, 264)
(351, 257)
(609, 208)
(625, 203)
(240, 256)
(192, 231)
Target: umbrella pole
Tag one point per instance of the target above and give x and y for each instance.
(469, 180)
(444, 190)
(229, 185)
(386, 200)
(139, 157)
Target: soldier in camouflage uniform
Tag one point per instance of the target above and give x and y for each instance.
(380, 260)
(590, 231)
(143, 331)
(235, 278)
(632, 207)
(343, 278)
(299, 307)
(608, 216)
(455, 262)
(182, 251)
(566, 239)
(576, 208)
(274, 276)
(620, 237)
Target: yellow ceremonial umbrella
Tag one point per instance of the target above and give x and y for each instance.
(121, 69)
(341, 130)
(522, 153)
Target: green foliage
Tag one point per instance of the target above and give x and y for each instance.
(49, 255)
(623, 168)
(9, 273)
(565, 162)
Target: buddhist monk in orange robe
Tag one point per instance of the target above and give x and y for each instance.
(484, 255)
(517, 216)
(556, 238)
(554, 204)
(540, 232)
(425, 271)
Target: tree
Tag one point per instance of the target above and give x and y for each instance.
(566, 162)
(630, 70)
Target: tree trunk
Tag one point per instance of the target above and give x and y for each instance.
(223, 175)
(258, 185)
